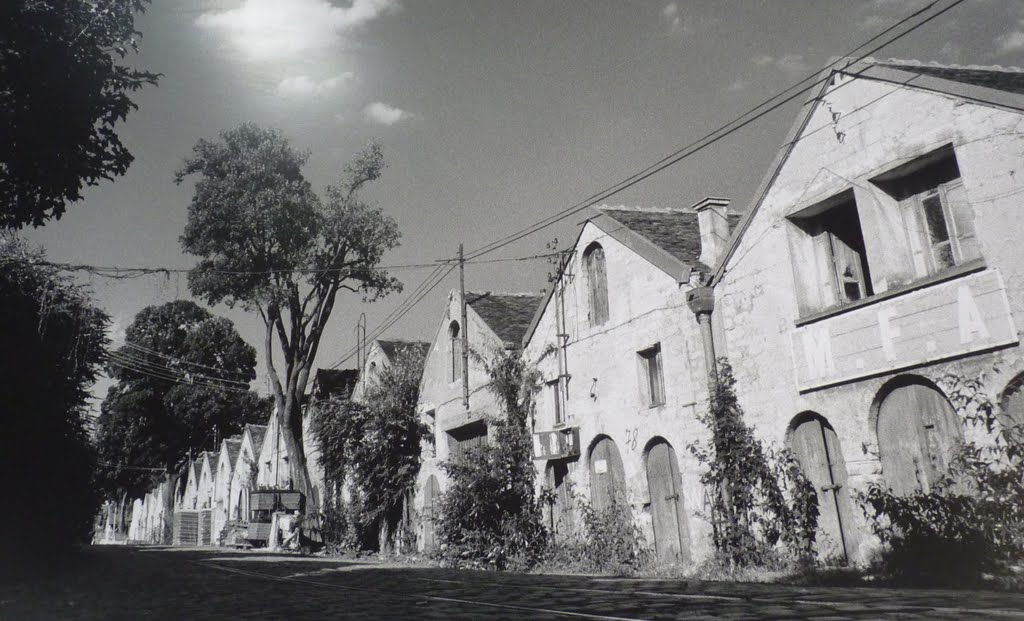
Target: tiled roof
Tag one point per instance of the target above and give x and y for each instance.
(392, 347)
(213, 458)
(336, 382)
(674, 231)
(257, 432)
(999, 78)
(234, 444)
(507, 314)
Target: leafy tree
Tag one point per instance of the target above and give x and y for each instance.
(182, 375)
(270, 244)
(62, 92)
(490, 513)
(54, 341)
(374, 446)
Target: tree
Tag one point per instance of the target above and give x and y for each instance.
(374, 446)
(54, 343)
(270, 244)
(182, 380)
(62, 92)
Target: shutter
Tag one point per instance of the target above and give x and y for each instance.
(597, 284)
(657, 381)
(915, 236)
(962, 217)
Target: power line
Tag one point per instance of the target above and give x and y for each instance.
(178, 374)
(716, 135)
(174, 379)
(180, 360)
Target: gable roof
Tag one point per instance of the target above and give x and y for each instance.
(392, 347)
(1009, 79)
(257, 433)
(234, 445)
(335, 382)
(508, 315)
(993, 86)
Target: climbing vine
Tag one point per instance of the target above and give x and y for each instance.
(759, 497)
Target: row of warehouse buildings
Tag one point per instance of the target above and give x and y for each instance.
(879, 257)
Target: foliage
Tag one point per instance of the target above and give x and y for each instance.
(490, 515)
(609, 542)
(759, 496)
(54, 341)
(270, 244)
(182, 379)
(343, 526)
(972, 521)
(374, 446)
(64, 90)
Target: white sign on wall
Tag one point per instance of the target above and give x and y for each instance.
(942, 321)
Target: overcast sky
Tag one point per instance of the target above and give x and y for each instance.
(492, 114)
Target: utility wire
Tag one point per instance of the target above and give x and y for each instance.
(188, 376)
(180, 360)
(718, 134)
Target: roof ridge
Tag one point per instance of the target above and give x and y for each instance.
(522, 294)
(644, 209)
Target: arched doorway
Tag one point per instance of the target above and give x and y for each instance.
(607, 479)
(560, 516)
(816, 446)
(667, 510)
(431, 498)
(918, 431)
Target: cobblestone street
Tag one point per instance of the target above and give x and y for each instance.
(155, 583)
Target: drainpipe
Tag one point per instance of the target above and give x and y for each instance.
(701, 301)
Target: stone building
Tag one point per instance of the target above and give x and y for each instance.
(379, 355)
(454, 400)
(623, 367)
(327, 384)
(243, 475)
(226, 462)
(881, 255)
(272, 470)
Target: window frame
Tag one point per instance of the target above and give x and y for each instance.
(595, 266)
(555, 392)
(652, 375)
(455, 344)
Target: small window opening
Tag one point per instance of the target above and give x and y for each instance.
(597, 283)
(456, 350)
(652, 377)
(555, 390)
(834, 229)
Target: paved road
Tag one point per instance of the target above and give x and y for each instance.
(159, 583)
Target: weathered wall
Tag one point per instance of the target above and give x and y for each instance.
(242, 478)
(603, 396)
(879, 127)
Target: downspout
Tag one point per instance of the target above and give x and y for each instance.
(701, 301)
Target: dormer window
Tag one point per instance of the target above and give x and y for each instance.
(597, 283)
(456, 350)
(937, 217)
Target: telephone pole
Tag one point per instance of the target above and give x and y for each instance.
(465, 330)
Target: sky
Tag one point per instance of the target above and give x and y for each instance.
(493, 114)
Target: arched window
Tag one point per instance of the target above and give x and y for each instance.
(456, 348)
(597, 283)
(1012, 403)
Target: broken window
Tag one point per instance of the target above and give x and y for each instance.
(836, 255)
(652, 379)
(597, 283)
(937, 217)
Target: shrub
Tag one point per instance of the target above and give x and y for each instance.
(972, 521)
(490, 516)
(608, 542)
(760, 498)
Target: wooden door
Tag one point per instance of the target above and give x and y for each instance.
(561, 516)
(607, 479)
(666, 502)
(918, 432)
(1012, 404)
(816, 446)
(431, 498)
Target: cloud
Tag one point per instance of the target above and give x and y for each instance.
(1012, 41)
(787, 63)
(671, 15)
(380, 112)
(736, 86)
(305, 86)
(277, 29)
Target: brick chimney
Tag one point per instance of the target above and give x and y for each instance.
(713, 221)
